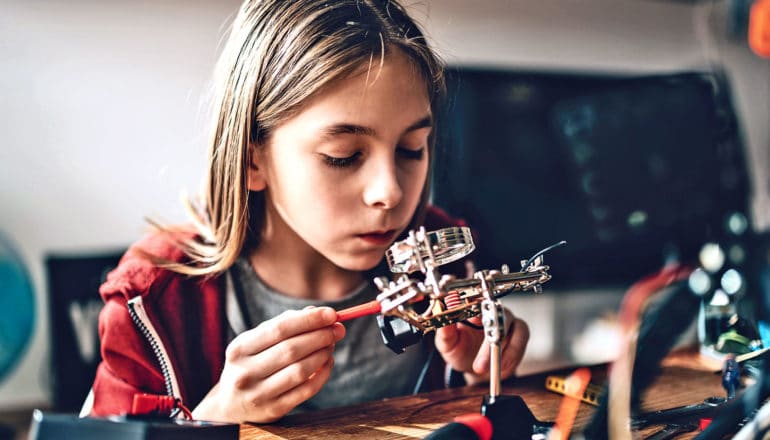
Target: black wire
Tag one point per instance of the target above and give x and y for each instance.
(555, 245)
(424, 371)
(472, 325)
(432, 353)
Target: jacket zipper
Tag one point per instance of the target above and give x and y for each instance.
(145, 327)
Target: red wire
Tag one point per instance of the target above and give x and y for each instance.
(369, 308)
(185, 410)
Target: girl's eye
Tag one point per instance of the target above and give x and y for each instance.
(341, 162)
(410, 154)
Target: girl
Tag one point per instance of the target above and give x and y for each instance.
(319, 160)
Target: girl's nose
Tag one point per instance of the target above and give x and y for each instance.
(382, 188)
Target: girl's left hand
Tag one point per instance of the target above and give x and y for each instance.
(464, 349)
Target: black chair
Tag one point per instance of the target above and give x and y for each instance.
(74, 305)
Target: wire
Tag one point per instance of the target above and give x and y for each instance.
(185, 410)
(424, 371)
(472, 325)
(532, 258)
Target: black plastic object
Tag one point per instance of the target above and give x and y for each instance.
(61, 426)
(397, 334)
(512, 419)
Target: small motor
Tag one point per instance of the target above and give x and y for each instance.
(397, 334)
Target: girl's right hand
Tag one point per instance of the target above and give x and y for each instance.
(274, 367)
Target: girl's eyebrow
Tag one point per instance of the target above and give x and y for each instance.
(355, 129)
(425, 122)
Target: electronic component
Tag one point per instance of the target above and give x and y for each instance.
(439, 300)
(47, 425)
(409, 308)
(558, 385)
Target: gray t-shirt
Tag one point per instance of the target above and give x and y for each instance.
(364, 368)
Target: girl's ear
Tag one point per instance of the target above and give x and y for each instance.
(256, 172)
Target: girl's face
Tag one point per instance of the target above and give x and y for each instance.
(343, 177)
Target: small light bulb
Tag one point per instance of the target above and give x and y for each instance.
(712, 257)
(699, 282)
(737, 223)
(732, 281)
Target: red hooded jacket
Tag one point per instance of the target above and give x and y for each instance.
(155, 320)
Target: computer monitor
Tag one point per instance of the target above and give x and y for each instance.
(629, 170)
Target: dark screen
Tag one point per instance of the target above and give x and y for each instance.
(630, 171)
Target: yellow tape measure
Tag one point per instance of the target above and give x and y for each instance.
(557, 384)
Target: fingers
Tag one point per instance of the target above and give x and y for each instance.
(295, 349)
(459, 343)
(517, 345)
(481, 362)
(513, 347)
(271, 369)
(300, 393)
(291, 376)
(291, 362)
(446, 339)
(284, 326)
(308, 350)
(251, 370)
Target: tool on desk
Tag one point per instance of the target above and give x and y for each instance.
(558, 385)
(508, 419)
(672, 431)
(510, 416)
(748, 412)
(408, 308)
(513, 420)
(574, 387)
(686, 413)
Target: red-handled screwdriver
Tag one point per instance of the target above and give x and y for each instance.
(370, 308)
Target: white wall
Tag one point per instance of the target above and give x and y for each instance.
(101, 123)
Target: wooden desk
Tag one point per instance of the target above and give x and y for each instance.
(686, 379)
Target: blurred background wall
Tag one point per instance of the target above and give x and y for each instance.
(102, 118)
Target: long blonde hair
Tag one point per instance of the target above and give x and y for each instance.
(278, 55)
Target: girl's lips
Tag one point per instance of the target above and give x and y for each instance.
(377, 237)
